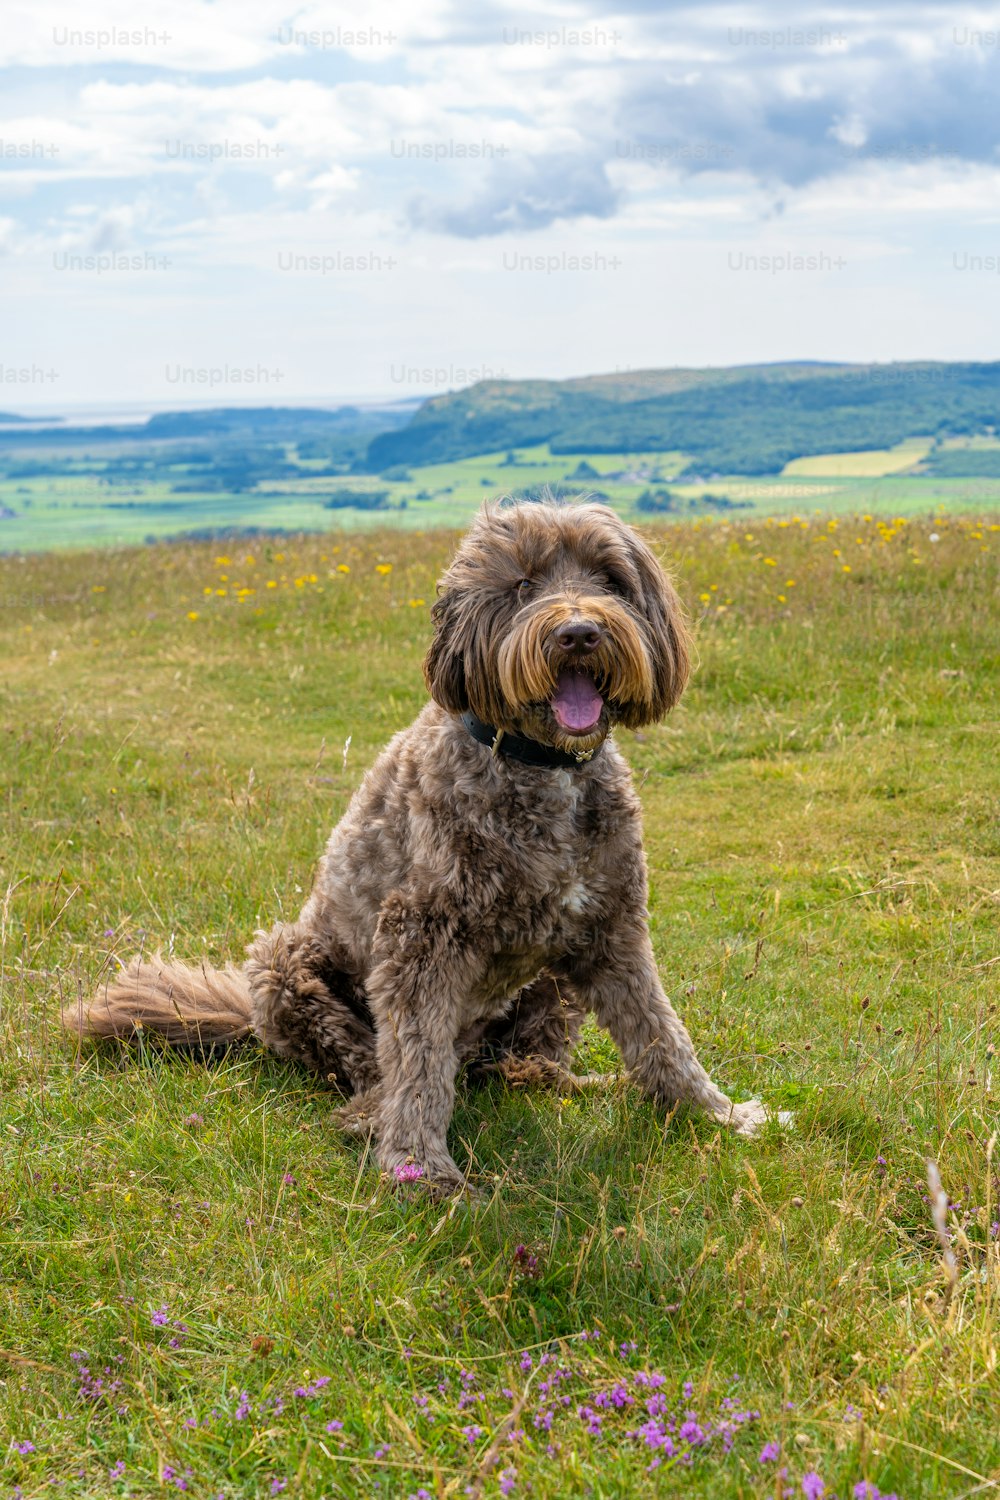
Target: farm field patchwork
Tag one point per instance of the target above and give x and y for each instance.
(205, 1290)
(87, 508)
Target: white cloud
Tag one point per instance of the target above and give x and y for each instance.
(235, 131)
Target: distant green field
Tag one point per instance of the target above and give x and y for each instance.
(81, 510)
(871, 463)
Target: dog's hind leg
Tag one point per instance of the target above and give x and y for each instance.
(305, 1006)
(533, 1043)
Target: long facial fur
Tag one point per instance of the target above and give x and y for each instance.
(494, 650)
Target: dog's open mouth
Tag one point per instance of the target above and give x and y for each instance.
(576, 703)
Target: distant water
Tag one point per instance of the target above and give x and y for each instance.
(134, 413)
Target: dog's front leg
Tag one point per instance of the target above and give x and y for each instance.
(416, 992)
(618, 980)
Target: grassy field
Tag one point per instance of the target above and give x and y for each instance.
(203, 1289)
(873, 463)
(82, 509)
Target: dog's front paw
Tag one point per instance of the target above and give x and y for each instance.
(747, 1119)
(438, 1176)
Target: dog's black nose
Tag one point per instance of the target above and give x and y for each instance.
(581, 635)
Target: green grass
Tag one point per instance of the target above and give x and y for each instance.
(822, 827)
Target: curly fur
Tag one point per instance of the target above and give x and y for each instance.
(469, 909)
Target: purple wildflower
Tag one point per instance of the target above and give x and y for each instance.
(812, 1485)
(591, 1419)
(160, 1317)
(770, 1453)
(525, 1263)
(277, 1485)
(193, 1121)
(95, 1388)
(312, 1389)
(508, 1479)
(655, 1435)
(117, 1470)
(288, 1180)
(335, 1426)
(526, 1361)
(382, 1450)
(25, 1447)
(472, 1433)
(408, 1171)
(618, 1397)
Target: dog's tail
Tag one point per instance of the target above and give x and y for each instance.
(186, 1007)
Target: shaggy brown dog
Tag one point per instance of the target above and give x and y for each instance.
(486, 887)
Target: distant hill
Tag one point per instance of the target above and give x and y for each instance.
(746, 420)
(267, 423)
(963, 463)
(750, 419)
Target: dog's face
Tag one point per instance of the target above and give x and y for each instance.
(557, 622)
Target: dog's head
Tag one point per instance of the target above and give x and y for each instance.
(557, 622)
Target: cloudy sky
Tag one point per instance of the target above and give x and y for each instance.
(236, 200)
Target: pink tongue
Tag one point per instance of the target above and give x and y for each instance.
(576, 702)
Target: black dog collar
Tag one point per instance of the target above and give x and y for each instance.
(516, 747)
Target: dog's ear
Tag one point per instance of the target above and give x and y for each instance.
(444, 664)
(667, 631)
